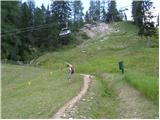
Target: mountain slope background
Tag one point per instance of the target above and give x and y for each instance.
(39, 89)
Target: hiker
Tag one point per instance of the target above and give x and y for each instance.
(70, 71)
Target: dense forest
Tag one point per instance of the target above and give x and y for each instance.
(27, 31)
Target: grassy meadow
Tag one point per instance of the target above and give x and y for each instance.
(38, 90)
(29, 92)
(102, 54)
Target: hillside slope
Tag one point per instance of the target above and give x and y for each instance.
(97, 55)
(101, 54)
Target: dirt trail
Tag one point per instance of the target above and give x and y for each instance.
(132, 104)
(69, 105)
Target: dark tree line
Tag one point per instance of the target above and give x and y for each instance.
(142, 16)
(104, 11)
(28, 30)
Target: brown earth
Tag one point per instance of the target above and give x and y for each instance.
(70, 104)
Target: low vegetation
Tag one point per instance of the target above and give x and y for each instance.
(47, 92)
(100, 101)
(146, 84)
(102, 54)
(29, 92)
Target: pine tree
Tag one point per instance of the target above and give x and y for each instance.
(103, 17)
(157, 21)
(92, 10)
(44, 13)
(31, 8)
(48, 15)
(10, 41)
(125, 17)
(97, 11)
(112, 14)
(142, 16)
(61, 11)
(77, 14)
(149, 29)
(77, 10)
(87, 17)
(38, 34)
(137, 12)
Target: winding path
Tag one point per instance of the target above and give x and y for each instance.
(69, 105)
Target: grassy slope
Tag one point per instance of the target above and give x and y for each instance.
(29, 92)
(101, 55)
(100, 102)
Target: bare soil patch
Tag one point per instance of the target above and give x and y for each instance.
(70, 104)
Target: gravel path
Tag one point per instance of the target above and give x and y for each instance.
(69, 105)
(132, 104)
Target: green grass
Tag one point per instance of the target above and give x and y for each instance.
(148, 85)
(100, 102)
(102, 54)
(94, 56)
(29, 92)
